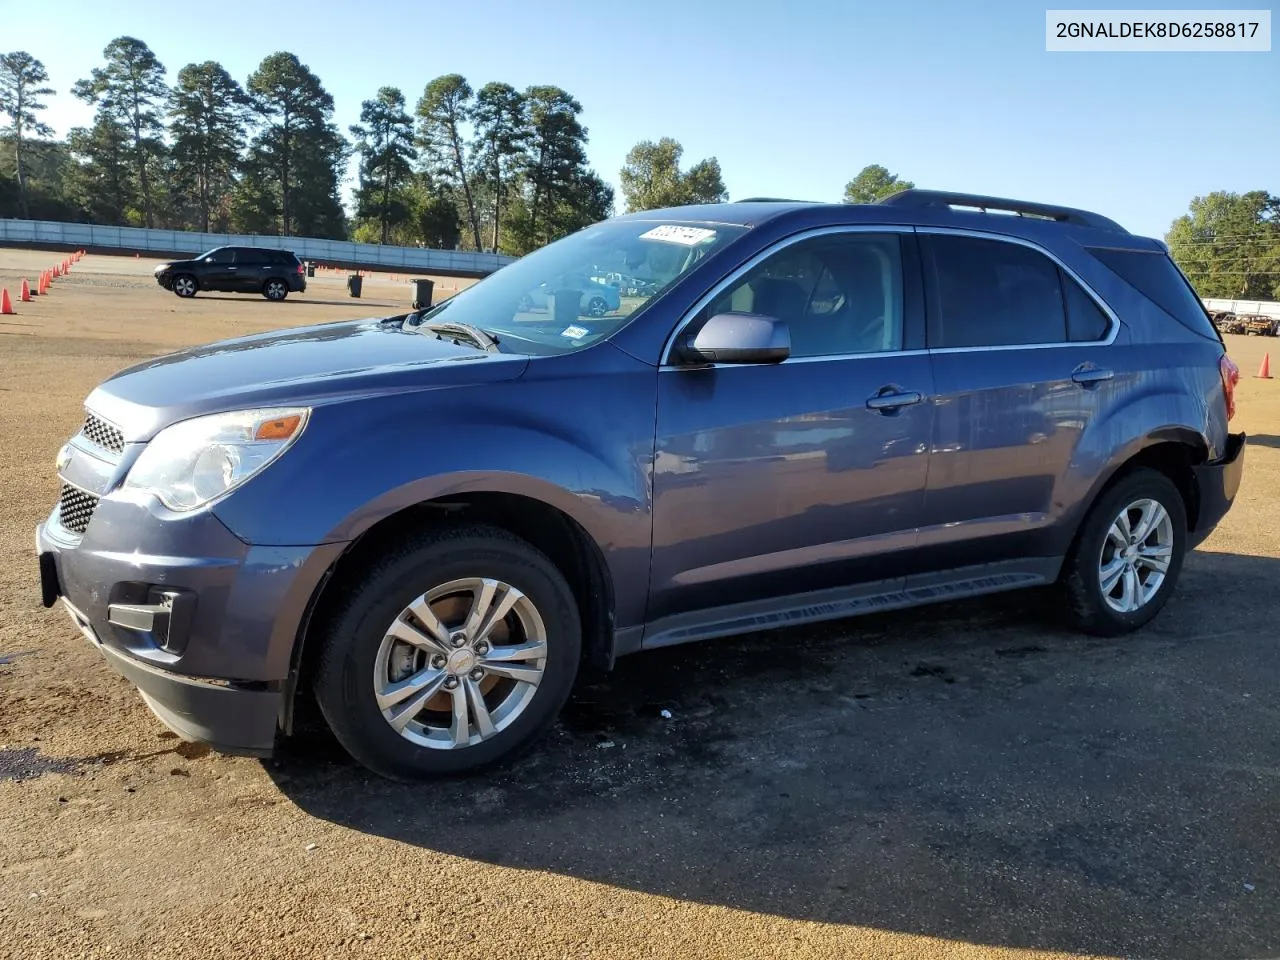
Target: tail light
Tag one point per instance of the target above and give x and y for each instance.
(1230, 377)
(301, 269)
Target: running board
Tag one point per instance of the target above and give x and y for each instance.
(840, 602)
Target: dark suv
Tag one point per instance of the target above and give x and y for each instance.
(431, 521)
(272, 273)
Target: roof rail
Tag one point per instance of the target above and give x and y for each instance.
(924, 199)
(769, 200)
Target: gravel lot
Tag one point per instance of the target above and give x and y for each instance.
(964, 781)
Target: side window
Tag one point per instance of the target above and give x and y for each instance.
(225, 255)
(250, 256)
(1085, 319)
(838, 294)
(990, 293)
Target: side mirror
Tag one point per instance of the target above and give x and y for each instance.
(739, 338)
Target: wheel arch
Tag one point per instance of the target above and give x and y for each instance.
(1171, 450)
(546, 527)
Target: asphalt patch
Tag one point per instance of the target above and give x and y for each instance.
(26, 763)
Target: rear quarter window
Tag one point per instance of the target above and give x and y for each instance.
(1156, 277)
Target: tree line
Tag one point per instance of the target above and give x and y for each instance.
(1228, 244)
(497, 168)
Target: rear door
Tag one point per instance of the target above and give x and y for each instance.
(776, 480)
(251, 269)
(1020, 370)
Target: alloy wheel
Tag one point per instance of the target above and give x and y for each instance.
(1136, 554)
(460, 663)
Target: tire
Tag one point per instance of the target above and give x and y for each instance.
(1088, 606)
(596, 307)
(525, 304)
(359, 654)
(275, 289)
(185, 285)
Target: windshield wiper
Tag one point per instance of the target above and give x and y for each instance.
(486, 341)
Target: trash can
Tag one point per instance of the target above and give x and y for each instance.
(354, 283)
(311, 269)
(422, 293)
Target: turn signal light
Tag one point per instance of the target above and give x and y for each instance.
(281, 429)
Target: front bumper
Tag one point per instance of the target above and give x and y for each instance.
(231, 718)
(204, 625)
(1217, 482)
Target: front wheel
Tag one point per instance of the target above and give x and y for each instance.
(597, 307)
(275, 290)
(449, 654)
(184, 285)
(1127, 556)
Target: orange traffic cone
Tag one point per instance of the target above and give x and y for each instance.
(25, 295)
(1264, 369)
(5, 305)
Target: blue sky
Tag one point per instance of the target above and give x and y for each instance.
(793, 98)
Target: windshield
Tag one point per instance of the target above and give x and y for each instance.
(578, 290)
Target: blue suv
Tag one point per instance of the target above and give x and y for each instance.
(797, 412)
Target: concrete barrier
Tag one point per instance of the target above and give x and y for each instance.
(175, 243)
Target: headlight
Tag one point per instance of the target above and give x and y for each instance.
(193, 462)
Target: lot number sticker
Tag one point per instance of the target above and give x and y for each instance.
(685, 236)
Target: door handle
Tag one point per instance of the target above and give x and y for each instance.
(1088, 375)
(890, 402)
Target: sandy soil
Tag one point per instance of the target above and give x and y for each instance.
(964, 781)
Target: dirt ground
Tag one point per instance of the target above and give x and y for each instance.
(963, 781)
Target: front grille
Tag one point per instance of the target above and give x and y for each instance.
(75, 508)
(106, 435)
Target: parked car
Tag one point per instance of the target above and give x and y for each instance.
(272, 273)
(1260, 324)
(429, 522)
(595, 298)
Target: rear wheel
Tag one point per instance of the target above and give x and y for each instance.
(597, 307)
(184, 285)
(275, 289)
(449, 654)
(1128, 555)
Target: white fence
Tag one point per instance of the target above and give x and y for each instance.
(1269, 308)
(342, 253)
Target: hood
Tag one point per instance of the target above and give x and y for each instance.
(300, 365)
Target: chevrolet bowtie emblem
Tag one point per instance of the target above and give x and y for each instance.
(64, 457)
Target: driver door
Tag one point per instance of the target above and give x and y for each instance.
(776, 480)
(220, 270)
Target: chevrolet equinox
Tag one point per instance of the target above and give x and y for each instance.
(805, 411)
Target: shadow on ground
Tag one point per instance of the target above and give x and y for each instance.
(1264, 440)
(969, 771)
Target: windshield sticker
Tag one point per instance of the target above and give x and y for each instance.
(685, 236)
(574, 333)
